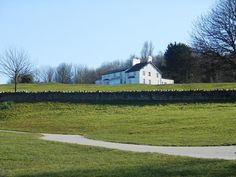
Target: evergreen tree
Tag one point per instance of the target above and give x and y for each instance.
(179, 61)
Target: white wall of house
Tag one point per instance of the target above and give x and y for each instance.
(123, 79)
(113, 78)
(98, 82)
(149, 75)
(132, 77)
(167, 81)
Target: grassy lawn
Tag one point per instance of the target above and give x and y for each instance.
(24, 155)
(164, 124)
(93, 87)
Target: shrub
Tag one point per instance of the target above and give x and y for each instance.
(5, 105)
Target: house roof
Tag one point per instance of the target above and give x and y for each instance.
(115, 71)
(139, 66)
(134, 68)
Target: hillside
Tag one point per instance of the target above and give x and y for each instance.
(193, 124)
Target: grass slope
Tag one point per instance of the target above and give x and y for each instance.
(170, 124)
(24, 155)
(93, 87)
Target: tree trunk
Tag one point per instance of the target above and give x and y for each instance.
(15, 82)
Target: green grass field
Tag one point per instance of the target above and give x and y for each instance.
(163, 124)
(93, 87)
(24, 155)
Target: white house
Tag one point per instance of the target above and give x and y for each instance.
(138, 73)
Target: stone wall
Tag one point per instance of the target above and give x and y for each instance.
(129, 96)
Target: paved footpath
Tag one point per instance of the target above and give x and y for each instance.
(209, 152)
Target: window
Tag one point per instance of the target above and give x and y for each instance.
(149, 73)
(150, 82)
(144, 81)
(157, 75)
(131, 75)
(144, 73)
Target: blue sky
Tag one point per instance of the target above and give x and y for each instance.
(91, 32)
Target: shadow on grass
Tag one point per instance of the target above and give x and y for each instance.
(189, 168)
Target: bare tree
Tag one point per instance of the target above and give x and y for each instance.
(147, 50)
(159, 60)
(64, 73)
(79, 74)
(50, 74)
(91, 76)
(215, 33)
(36, 75)
(14, 63)
(47, 74)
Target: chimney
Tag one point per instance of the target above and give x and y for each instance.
(149, 59)
(135, 61)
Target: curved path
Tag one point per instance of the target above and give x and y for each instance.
(209, 152)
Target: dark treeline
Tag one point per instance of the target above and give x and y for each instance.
(179, 62)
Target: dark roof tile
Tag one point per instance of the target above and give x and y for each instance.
(139, 66)
(115, 71)
(136, 67)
